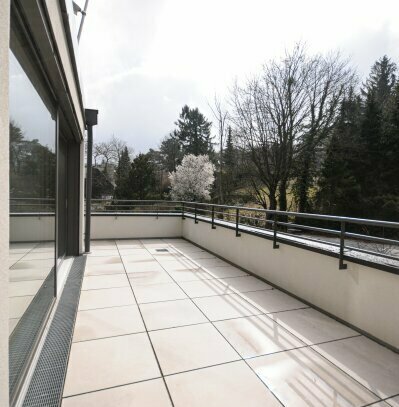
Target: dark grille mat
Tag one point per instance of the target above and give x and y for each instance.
(26, 333)
(46, 386)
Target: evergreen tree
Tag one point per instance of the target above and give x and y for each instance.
(193, 132)
(381, 80)
(339, 191)
(229, 160)
(171, 153)
(122, 188)
(142, 180)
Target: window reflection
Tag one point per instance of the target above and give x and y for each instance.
(32, 215)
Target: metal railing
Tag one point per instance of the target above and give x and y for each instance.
(36, 206)
(373, 241)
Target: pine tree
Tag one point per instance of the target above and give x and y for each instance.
(339, 190)
(122, 188)
(142, 180)
(193, 132)
(381, 80)
(171, 153)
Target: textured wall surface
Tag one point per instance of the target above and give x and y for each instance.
(4, 126)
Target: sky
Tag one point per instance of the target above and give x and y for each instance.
(142, 60)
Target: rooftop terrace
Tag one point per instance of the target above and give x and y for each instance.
(162, 322)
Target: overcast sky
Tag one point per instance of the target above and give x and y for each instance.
(142, 60)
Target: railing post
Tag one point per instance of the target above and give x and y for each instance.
(195, 214)
(275, 224)
(237, 222)
(213, 217)
(342, 266)
(182, 211)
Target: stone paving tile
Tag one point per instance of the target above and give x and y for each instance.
(216, 350)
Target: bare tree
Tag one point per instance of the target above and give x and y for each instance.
(269, 112)
(221, 115)
(284, 115)
(117, 146)
(330, 78)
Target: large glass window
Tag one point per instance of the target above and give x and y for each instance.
(32, 212)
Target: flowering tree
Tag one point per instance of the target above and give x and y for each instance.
(193, 179)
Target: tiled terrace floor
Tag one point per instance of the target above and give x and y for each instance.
(162, 323)
(30, 264)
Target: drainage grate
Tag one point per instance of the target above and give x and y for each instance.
(46, 386)
(26, 333)
(162, 250)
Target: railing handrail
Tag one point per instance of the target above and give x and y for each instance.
(316, 216)
(363, 221)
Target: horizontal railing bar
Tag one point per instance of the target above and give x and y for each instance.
(312, 228)
(372, 238)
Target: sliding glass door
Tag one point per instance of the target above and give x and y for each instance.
(33, 174)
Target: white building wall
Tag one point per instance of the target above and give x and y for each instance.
(4, 210)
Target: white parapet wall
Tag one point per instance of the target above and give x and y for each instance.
(32, 228)
(365, 297)
(135, 226)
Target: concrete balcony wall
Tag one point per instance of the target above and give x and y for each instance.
(362, 296)
(136, 226)
(33, 228)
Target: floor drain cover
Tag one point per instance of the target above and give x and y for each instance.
(161, 250)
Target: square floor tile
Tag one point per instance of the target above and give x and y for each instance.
(149, 277)
(200, 255)
(301, 377)
(205, 288)
(12, 323)
(134, 253)
(187, 248)
(22, 288)
(225, 272)
(104, 269)
(312, 326)
(101, 252)
(18, 305)
(169, 314)
(28, 274)
(273, 301)
(105, 322)
(103, 260)
(245, 284)
(129, 244)
(39, 256)
(45, 264)
(191, 347)
(213, 262)
(373, 365)
(394, 402)
(150, 393)
(105, 281)
(158, 292)
(102, 244)
(257, 335)
(190, 275)
(180, 264)
(143, 266)
(228, 385)
(104, 298)
(104, 363)
(225, 307)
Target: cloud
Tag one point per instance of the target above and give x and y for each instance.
(143, 60)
